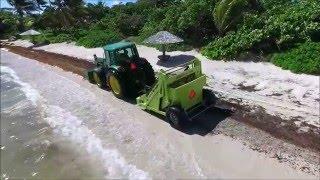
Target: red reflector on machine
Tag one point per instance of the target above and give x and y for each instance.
(133, 66)
(192, 94)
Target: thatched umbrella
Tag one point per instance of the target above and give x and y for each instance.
(30, 33)
(163, 38)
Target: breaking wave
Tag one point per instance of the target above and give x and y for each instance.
(32, 94)
(66, 124)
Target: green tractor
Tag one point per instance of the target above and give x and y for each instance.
(122, 70)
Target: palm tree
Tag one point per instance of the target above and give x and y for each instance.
(25, 7)
(68, 12)
(227, 13)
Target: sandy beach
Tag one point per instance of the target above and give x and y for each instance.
(292, 97)
(127, 139)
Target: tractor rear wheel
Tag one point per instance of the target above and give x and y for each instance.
(116, 84)
(209, 99)
(149, 72)
(176, 116)
(98, 79)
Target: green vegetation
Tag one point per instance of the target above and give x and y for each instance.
(276, 29)
(98, 38)
(23, 7)
(228, 13)
(222, 29)
(8, 24)
(303, 59)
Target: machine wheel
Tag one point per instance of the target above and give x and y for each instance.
(116, 84)
(209, 99)
(149, 72)
(98, 78)
(176, 116)
(90, 76)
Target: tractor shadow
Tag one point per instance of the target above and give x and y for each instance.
(203, 124)
(174, 61)
(206, 122)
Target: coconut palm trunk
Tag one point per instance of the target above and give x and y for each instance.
(21, 27)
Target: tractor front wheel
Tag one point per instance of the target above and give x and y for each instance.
(115, 84)
(176, 116)
(98, 79)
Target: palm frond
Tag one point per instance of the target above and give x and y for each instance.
(227, 13)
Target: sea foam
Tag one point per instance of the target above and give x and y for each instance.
(31, 94)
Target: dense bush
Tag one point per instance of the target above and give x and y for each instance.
(278, 28)
(88, 38)
(62, 38)
(130, 25)
(39, 38)
(269, 4)
(8, 24)
(98, 38)
(51, 37)
(195, 23)
(303, 59)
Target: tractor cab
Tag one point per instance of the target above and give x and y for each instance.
(117, 53)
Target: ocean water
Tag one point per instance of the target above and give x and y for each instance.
(43, 140)
(31, 146)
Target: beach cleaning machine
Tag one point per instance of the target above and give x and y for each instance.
(178, 94)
